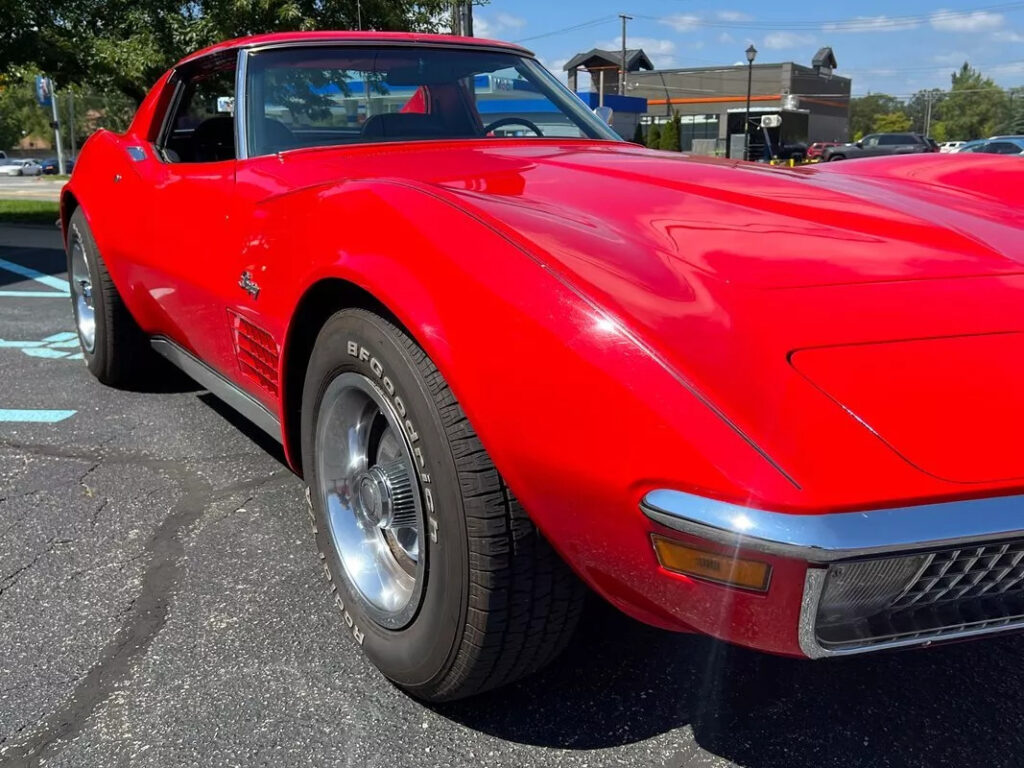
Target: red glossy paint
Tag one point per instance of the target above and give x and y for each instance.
(615, 320)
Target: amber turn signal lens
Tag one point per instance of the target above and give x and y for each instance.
(722, 569)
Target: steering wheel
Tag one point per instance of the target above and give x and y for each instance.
(512, 121)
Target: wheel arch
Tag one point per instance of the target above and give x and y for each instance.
(320, 300)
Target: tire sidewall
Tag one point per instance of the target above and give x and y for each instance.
(422, 652)
(78, 228)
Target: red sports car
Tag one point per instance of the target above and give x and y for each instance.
(817, 148)
(513, 355)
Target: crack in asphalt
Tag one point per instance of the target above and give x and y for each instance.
(143, 619)
(144, 616)
(8, 581)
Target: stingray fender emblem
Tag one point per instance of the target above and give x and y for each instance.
(247, 284)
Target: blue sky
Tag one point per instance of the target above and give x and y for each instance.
(893, 48)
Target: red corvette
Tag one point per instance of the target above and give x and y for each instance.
(512, 355)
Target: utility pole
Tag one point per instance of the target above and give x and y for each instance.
(61, 169)
(71, 122)
(622, 73)
(928, 113)
(462, 18)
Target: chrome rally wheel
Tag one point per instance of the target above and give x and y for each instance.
(82, 292)
(370, 489)
(439, 575)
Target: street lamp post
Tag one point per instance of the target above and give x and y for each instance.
(751, 55)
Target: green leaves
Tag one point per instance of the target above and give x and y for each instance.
(125, 45)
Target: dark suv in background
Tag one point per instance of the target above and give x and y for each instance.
(878, 144)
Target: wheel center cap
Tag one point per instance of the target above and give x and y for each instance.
(375, 497)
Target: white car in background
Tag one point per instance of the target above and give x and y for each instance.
(21, 167)
(950, 146)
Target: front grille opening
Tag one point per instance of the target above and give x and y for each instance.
(922, 597)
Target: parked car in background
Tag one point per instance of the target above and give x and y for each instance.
(816, 149)
(780, 407)
(950, 146)
(971, 146)
(51, 166)
(933, 144)
(21, 167)
(3, 156)
(1003, 145)
(879, 144)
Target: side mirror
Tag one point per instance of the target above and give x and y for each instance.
(859, 144)
(605, 114)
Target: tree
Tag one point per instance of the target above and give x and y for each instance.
(918, 107)
(654, 136)
(20, 113)
(975, 105)
(638, 134)
(127, 44)
(891, 122)
(864, 110)
(670, 134)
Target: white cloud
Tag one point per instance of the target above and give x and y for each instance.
(661, 52)
(554, 66)
(681, 22)
(955, 57)
(733, 16)
(969, 21)
(1008, 36)
(725, 38)
(871, 24)
(501, 24)
(781, 40)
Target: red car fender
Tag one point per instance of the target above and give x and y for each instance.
(578, 417)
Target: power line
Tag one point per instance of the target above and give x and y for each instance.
(573, 28)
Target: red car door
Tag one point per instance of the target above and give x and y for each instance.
(184, 268)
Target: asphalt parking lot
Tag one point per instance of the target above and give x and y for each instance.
(161, 604)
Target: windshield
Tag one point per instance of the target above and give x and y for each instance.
(320, 96)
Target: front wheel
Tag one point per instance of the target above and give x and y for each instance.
(113, 346)
(439, 574)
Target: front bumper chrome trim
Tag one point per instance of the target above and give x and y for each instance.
(824, 538)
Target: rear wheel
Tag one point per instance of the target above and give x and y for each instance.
(113, 346)
(439, 574)
(836, 158)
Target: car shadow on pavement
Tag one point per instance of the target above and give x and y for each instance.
(46, 259)
(243, 425)
(621, 682)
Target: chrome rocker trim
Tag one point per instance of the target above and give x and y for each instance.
(823, 538)
(218, 385)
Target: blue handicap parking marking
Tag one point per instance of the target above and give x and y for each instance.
(60, 287)
(63, 345)
(34, 416)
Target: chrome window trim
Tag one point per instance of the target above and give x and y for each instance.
(370, 42)
(241, 136)
(823, 538)
(241, 85)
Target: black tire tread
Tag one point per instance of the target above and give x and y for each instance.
(123, 357)
(524, 601)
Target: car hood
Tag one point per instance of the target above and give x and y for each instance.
(730, 273)
(892, 219)
(739, 275)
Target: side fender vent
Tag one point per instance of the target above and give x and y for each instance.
(257, 353)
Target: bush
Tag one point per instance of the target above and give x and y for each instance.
(654, 137)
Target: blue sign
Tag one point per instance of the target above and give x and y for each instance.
(44, 91)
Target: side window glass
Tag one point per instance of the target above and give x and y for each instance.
(870, 141)
(202, 128)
